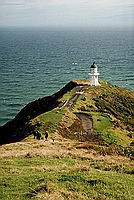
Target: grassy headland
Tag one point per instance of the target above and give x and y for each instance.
(89, 152)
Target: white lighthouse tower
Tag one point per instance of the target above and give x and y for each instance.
(94, 75)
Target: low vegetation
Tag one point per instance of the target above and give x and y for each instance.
(48, 121)
(61, 171)
(89, 153)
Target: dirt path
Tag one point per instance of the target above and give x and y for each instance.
(86, 120)
(73, 99)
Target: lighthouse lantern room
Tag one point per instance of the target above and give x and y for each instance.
(94, 75)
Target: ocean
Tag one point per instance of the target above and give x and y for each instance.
(36, 63)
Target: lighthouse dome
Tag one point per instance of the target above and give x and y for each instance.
(93, 65)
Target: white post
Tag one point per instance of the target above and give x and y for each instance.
(94, 75)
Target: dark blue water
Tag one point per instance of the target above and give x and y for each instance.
(35, 63)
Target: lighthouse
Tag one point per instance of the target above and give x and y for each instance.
(94, 75)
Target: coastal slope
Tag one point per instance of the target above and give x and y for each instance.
(102, 114)
(89, 151)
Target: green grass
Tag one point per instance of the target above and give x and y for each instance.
(84, 103)
(95, 184)
(117, 101)
(50, 120)
(101, 122)
(122, 136)
(26, 178)
(78, 175)
(97, 101)
(67, 96)
(103, 125)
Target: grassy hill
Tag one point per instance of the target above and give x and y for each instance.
(89, 152)
(102, 115)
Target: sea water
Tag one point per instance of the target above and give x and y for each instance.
(35, 63)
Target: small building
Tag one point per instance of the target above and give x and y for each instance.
(94, 75)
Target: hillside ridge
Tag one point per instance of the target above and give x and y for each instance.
(81, 112)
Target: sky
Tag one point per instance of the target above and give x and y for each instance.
(67, 13)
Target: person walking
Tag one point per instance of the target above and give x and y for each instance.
(46, 135)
